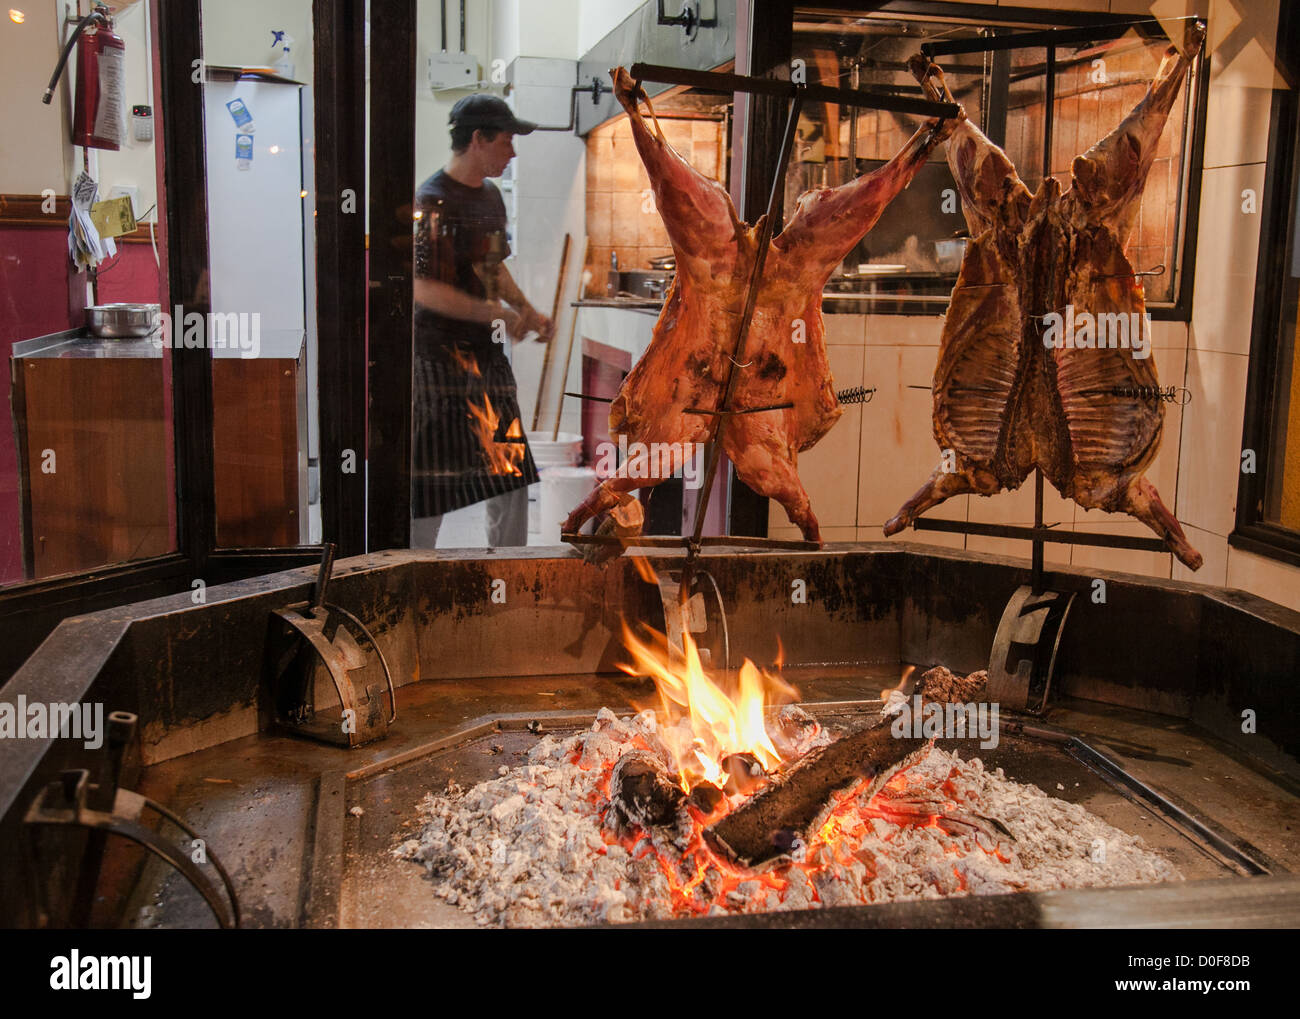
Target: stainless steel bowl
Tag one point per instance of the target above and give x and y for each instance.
(122, 321)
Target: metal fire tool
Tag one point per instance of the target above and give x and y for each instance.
(104, 808)
(1023, 659)
(1029, 634)
(313, 636)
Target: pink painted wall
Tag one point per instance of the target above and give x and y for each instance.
(132, 276)
(34, 299)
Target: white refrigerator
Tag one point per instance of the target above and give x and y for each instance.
(261, 234)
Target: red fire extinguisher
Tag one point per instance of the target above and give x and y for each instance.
(98, 111)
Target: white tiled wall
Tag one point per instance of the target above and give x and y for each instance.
(549, 177)
(1197, 469)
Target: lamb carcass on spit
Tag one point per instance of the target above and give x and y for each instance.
(687, 361)
(1003, 402)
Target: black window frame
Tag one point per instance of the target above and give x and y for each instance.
(1253, 533)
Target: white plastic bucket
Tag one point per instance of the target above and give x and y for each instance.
(562, 489)
(565, 450)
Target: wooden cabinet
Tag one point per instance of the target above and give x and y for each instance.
(97, 473)
(94, 459)
(258, 407)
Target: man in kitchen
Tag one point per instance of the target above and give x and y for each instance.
(468, 443)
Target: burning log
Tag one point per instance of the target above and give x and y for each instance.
(744, 774)
(705, 797)
(642, 793)
(769, 824)
(795, 732)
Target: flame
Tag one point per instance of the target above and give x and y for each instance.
(644, 570)
(705, 721)
(907, 674)
(502, 457)
(465, 361)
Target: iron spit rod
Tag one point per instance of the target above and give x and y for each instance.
(715, 81)
(322, 576)
(718, 423)
(1036, 576)
(1047, 534)
(684, 541)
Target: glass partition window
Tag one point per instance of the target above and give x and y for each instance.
(916, 247)
(258, 127)
(87, 472)
(498, 174)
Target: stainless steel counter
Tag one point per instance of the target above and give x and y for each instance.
(271, 343)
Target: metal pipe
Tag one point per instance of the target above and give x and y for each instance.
(1051, 37)
(322, 577)
(855, 79)
(1036, 569)
(82, 25)
(596, 88)
(1049, 102)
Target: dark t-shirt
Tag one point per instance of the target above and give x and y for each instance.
(467, 441)
(461, 232)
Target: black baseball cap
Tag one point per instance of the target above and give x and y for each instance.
(485, 110)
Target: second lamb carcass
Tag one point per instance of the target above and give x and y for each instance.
(688, 359)
(1004, 403)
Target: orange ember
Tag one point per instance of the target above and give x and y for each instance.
(699, 879)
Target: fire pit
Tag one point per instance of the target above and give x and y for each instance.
(533, 847)
(1139, 799)
(719, 804)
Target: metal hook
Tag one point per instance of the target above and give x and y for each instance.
(1157, 270)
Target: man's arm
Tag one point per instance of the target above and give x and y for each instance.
(529, 317)
(446, 300)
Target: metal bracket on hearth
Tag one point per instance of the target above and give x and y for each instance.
(694, 616)
(1025, 647)
(313, 639)
(103, 808)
